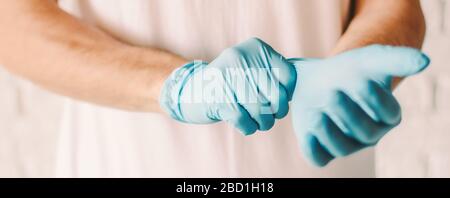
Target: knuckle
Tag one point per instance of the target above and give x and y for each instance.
(399, 120)
(267, 126)
(282, 110)
(241, 118)
(254, 43)
(338, 96)
(232, 52)
(367, 137)
(255, 40)
(343, 153)
(308, 143)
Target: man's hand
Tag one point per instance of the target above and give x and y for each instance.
(397, 23)
(248, 85)
(344, 103)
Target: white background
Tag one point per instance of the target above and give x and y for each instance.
(420, 147)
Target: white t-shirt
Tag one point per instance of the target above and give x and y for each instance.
(102, 142)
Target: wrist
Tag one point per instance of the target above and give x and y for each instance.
(173, 87)
(152, 68)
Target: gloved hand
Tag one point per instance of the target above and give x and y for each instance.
(344, 103)
(248, 85)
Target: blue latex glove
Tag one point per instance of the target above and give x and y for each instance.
(344, 103)
(248, 85)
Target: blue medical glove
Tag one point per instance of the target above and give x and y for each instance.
(248, 85)
(345, 103)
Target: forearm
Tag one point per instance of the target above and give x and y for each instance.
(42, 43)
(398, 23)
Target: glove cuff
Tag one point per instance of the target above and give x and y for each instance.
(173, 86)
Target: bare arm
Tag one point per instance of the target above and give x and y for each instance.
(398, 23)
(42, 43)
